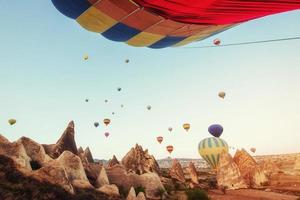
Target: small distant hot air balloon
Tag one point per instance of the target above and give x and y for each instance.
(127, 61)
(106, 121)
(170, 148)
(149, 107)
(170, 129)
(113, 113)
(253, 150)
(186, 126)
(222, 94)
(96, 124)
(122, 105)
(215, 130)
(12, 121)
(106, 134)
(86, 100)
(210, 150)
(217, 41)
(119, 89)
(160, 139)
(86, 57)
(106, 101)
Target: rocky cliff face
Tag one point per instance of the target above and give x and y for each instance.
(139, 161)
(176, 171)
(112, 162)
(65, 143)
(250, 170)
(228, 173)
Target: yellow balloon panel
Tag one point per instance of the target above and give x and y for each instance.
(210, 150)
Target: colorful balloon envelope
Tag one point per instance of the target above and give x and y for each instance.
(12, 121)
(210, 150)
(106, 134)
(170, 149)
(96, 124)
(222, 94)
(186, 126)
(106, 121)
(85, 57)
(215, 130)
(162, 23)
(217, 42)
(160, 139)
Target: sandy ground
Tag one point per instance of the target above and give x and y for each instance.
(249, 194)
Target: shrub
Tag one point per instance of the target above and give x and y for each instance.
(139, 189)
(160, 192)
(196, 194)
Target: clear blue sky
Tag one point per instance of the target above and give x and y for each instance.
(44, 83)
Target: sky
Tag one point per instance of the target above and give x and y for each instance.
(44, 83)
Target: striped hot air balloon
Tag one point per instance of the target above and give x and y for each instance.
(186, 126)
(210, 150)
(106, 121)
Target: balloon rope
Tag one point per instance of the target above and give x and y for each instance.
(246, 43)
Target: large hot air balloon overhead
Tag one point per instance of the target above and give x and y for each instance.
(162, 23)
(210, 150)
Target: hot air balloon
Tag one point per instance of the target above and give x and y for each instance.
(222, 94)
(160, 139)
(106, 121)
(106, 134)
(170, 129)
(113, 113)
(12, 121)
(86, 100)
(106, 101)
(149, 107)
(217, 42)
(122, 105)
(186, 126)
(253, 150)
(127, 61)
(210, 150)
(161, 23)
(119, 89)
(215, 130)
(96, 124)
(85, 57)
(170, 149)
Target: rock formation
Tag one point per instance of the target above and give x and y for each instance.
(150, 181)
(297, 163)
(15, 151)
(80, 150)
(141, 196)
(251, 173)
(74, 169)
(228, 173)
(35, 151)
(131, 194)
(65, 143)
(112, 162)
(139, 161)
(111, 190)
(176, 171)
(55, 174)
(193, 173)
(269, 167)
(102, 178)
(88, 155)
